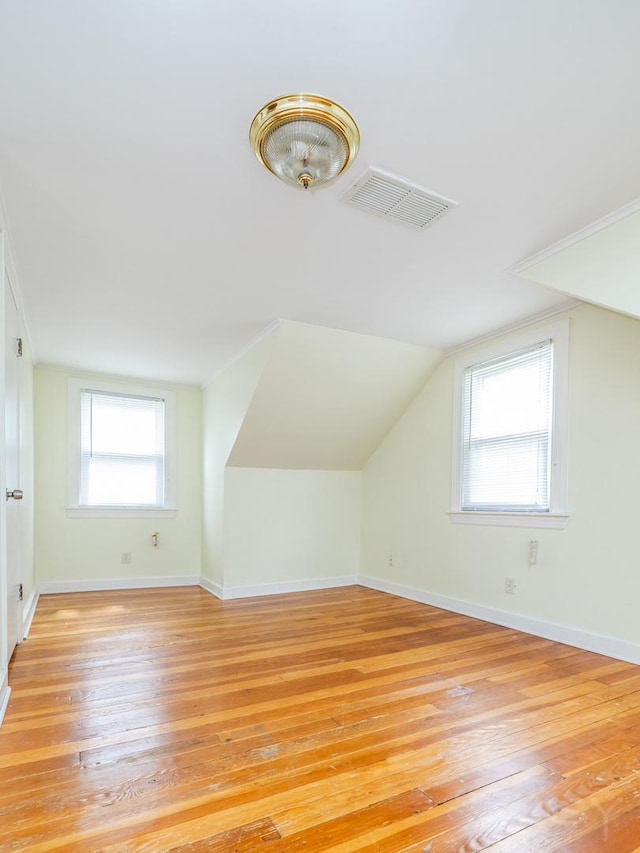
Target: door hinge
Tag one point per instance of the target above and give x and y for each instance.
(20, 592)
(19, 347)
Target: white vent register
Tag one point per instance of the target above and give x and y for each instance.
(398, 199)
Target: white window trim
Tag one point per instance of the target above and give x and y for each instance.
(118, 512)
(558, 515)
(74, 387)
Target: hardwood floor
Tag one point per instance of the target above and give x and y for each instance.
(343, 720)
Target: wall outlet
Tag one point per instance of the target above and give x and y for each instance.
(390, 560)
(533, 552)
(126, 557)
(510, 585)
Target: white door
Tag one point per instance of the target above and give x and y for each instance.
(12, 450)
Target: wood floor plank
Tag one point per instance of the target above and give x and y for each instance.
(620, 833)
(355, 825)
(338, 720)
(430, 829)
(589, 815)
(242, 839)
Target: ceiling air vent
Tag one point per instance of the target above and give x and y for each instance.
(397, 198)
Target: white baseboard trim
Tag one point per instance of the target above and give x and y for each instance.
(5, 692)
(117, 583)
(29, 611)
(212, 587)
(281, 587)
(599, 643)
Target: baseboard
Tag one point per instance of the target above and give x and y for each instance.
(248, 591)
(29, 611)
(212, 587)
(599, 643)
(5, 692)
(281, 587)
(117, 583)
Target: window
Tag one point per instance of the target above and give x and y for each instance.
(120, 448)
(510, 423)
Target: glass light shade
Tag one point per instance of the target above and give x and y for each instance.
(299, 151)
(305, 140)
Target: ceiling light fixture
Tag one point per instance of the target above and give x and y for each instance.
(305, 140)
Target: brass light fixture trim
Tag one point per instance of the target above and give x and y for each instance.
(305, 140)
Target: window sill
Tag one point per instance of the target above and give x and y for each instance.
(553, 520)
(119, 512)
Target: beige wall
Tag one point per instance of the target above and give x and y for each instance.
(289, 526)
(90, 549)
(587, 575)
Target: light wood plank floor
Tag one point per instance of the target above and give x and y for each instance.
(343, 720)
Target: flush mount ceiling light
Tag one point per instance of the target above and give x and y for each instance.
(305, 140)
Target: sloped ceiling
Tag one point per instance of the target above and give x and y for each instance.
(600, 264)
(148, 241)
(326, 398)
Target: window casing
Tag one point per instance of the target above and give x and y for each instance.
(121, 450)
(509, 463)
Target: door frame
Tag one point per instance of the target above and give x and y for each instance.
(12, 540)
(5, 690)
(24, 609)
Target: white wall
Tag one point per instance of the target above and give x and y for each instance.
(89, 550)
(290, 527)
(588, 576)
(327, 397)
(225, 405)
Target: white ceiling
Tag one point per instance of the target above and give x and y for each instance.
(148, 241)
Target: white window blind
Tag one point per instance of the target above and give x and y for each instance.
(507, 428)
(122, 450)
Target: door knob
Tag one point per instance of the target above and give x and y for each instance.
(16, 494)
